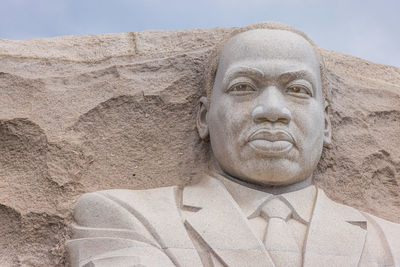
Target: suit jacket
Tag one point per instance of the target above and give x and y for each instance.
(201, 225)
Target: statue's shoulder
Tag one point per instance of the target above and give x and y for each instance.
(339, 210)
(126, 195)
(382, 237)
(349, 213)
(120, 225)
(102, 207)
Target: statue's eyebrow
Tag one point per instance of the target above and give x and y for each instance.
(241, 71)
(299, 74)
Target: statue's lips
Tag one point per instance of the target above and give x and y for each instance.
(271, 142)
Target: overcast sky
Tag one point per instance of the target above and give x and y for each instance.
(364, 28)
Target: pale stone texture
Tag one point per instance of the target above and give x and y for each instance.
(87, 113)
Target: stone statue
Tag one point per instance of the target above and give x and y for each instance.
(266, 118)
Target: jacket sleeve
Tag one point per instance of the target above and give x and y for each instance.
(108, 233)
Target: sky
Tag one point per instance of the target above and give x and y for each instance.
(363, 28)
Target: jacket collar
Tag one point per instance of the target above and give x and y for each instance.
(334, 234)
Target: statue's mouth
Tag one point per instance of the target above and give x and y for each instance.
(271, 142)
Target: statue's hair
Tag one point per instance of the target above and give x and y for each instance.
(214, 56)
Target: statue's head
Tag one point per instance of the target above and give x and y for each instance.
(266, 113)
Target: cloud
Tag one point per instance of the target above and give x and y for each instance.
(364, 28)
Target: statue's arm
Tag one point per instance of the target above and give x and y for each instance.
(107, 232)
(383, 243)
(391, 234)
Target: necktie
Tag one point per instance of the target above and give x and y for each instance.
(279, 240)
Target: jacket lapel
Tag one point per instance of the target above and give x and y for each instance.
(222, 226)
(336, 234)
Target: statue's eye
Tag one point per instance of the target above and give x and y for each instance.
(297, 89)
(242, 88)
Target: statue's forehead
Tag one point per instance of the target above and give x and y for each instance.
(268, 45)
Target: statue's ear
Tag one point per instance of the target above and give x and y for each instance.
(202, 125)
(327, 128)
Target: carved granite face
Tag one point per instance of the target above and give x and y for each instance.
(266, 119)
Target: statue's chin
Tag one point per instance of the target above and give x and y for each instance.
(275, 181)
(274, 171)
(281, 176)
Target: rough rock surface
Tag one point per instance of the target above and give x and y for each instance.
(86, 113)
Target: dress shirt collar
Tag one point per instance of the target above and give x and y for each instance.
(251, 200)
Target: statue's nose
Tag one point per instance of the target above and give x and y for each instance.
(271, 106)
